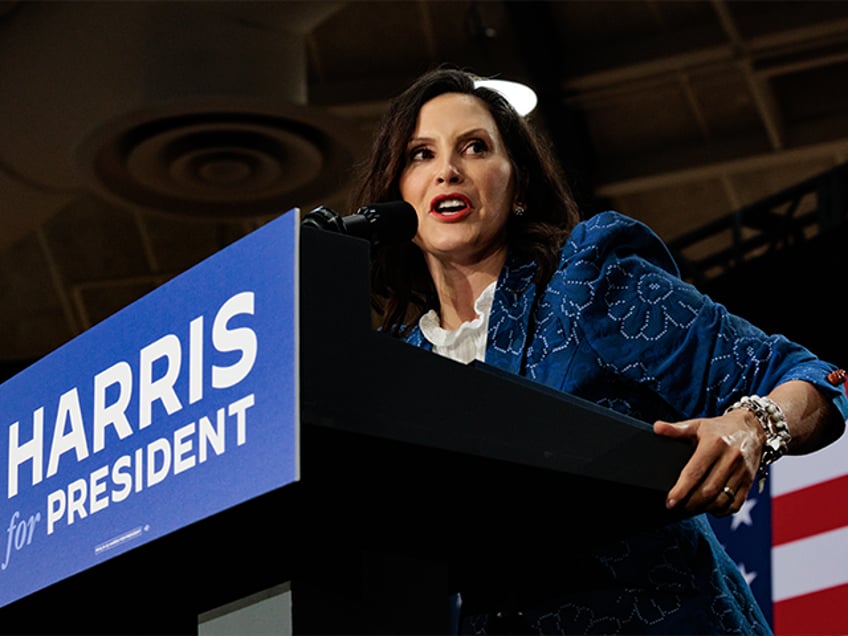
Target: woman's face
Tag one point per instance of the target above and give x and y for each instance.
(459, 178)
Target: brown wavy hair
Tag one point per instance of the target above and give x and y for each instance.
(401, 286)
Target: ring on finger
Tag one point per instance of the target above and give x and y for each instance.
(729, 492)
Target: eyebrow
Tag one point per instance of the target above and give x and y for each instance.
(474, 132)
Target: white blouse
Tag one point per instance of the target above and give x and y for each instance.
(468, 341)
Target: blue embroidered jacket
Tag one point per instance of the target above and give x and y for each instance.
(618, 326)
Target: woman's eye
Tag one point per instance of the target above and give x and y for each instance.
(476, 146)
(419, 154)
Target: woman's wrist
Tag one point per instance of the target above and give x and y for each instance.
(774, 427)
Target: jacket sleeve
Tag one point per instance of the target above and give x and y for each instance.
(646, 323)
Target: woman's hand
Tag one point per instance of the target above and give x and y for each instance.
(723, 467)
(728, 448)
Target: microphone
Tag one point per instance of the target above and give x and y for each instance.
(378, 223)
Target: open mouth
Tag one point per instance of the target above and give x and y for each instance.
(451, 207)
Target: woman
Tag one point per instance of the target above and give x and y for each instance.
(503, 270)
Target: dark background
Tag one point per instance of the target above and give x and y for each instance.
(140, 137)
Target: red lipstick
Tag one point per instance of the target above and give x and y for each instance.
(451, 207)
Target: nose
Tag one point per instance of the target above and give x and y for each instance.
(448, 172)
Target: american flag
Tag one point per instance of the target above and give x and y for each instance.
(791, 542)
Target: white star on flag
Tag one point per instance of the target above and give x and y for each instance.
(748, 576)
(744, 514)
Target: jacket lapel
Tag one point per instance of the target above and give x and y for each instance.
(509, 321)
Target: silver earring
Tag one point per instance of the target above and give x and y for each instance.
(519, 210)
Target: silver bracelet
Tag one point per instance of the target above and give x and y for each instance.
(774, 424)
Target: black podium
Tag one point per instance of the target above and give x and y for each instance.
(420, 477)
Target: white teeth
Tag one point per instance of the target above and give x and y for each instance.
(450, 205)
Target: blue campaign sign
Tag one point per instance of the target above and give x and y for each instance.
(181, 405)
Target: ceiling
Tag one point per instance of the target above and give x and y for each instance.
(140, 137)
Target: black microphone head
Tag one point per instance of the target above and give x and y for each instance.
(388, 222)
(379, 223)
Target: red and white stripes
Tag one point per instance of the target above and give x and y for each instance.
(810, 542)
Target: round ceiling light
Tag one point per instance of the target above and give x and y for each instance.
(522, 97)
